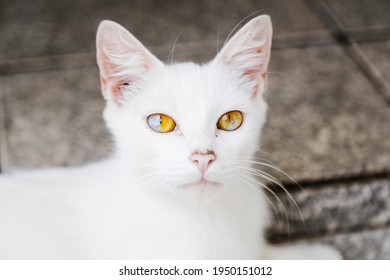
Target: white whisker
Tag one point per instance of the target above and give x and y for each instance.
(270, 202)
(238, 25)
(150, 186)
(218, 40)
(270, 178)
(173, 49)
(265, 187)
(263, 175)
(139, 179)
(271, 165)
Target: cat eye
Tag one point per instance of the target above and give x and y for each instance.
(230, 121)
(161, 123)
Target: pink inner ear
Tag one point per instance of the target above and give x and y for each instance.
(111, 78)
(122, 59)
(114, 77)
(247, 53)
(112, 87)
(258, 75)
(256, 89)
(253, 73)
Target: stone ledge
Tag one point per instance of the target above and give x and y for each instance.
(331, 209)
(365, 245)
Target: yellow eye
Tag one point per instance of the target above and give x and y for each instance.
(161, 123)
(230, 121)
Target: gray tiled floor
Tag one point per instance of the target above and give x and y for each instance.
(377, 52)
(321, 131)
(47, 27)
(56, 111)
(361, 13)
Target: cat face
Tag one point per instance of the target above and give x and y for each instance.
(185, 126)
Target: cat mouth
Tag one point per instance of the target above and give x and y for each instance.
(206, 182)
(202, 183)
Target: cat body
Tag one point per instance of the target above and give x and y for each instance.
(180, 184)
(84, 213)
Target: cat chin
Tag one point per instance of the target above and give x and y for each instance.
(201, 185)
(195, 191)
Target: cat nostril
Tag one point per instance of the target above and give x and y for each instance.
(211, 159)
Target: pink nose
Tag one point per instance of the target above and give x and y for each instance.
(203, 160)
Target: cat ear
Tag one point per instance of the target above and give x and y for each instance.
(123, 61)
(248, 52)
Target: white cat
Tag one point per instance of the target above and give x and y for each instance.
(178, 185)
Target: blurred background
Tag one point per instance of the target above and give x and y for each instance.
(329, 98)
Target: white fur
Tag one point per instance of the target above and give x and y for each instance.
(144, 202)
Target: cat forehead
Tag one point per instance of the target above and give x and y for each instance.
(193, 85)
(190, 76)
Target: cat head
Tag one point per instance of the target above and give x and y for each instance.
(185, 127)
